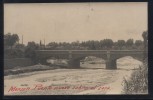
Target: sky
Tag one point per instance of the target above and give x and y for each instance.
(67, 22)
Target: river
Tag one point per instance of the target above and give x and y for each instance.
(89, 79)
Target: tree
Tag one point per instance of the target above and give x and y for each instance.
(30, 49)
(10, 40)
(138, 43)
(97, 45)
(120, 43)
(92, 46)
(145, 38)
(75, 43)
(129, 43)
(19, 46)
(108, 43)
(52, 45)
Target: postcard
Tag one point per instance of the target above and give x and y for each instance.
(75, 48)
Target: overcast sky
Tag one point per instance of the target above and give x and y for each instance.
(67, 22)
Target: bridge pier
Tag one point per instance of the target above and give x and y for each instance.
(74, 63)
(111, 64)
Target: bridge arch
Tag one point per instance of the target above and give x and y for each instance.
(137, 57)
(83, 57)
(75, 59)
(111, 62)
(128, 62)
(75, 62)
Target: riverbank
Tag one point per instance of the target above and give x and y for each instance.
(90, 79)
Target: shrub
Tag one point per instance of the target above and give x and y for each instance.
(13, 53)
(138, 82)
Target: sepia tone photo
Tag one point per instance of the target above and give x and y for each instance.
(76, 48)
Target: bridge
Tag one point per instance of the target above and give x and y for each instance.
(74, 56)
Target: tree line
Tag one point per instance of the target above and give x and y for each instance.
(12, 47)
(105, 44)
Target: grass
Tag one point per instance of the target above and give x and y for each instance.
(138, 82)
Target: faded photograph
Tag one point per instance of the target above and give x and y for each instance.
(76, 48)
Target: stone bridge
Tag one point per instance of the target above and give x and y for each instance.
(74, 56)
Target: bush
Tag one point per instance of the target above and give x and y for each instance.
(138, 82)
(13, 53)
